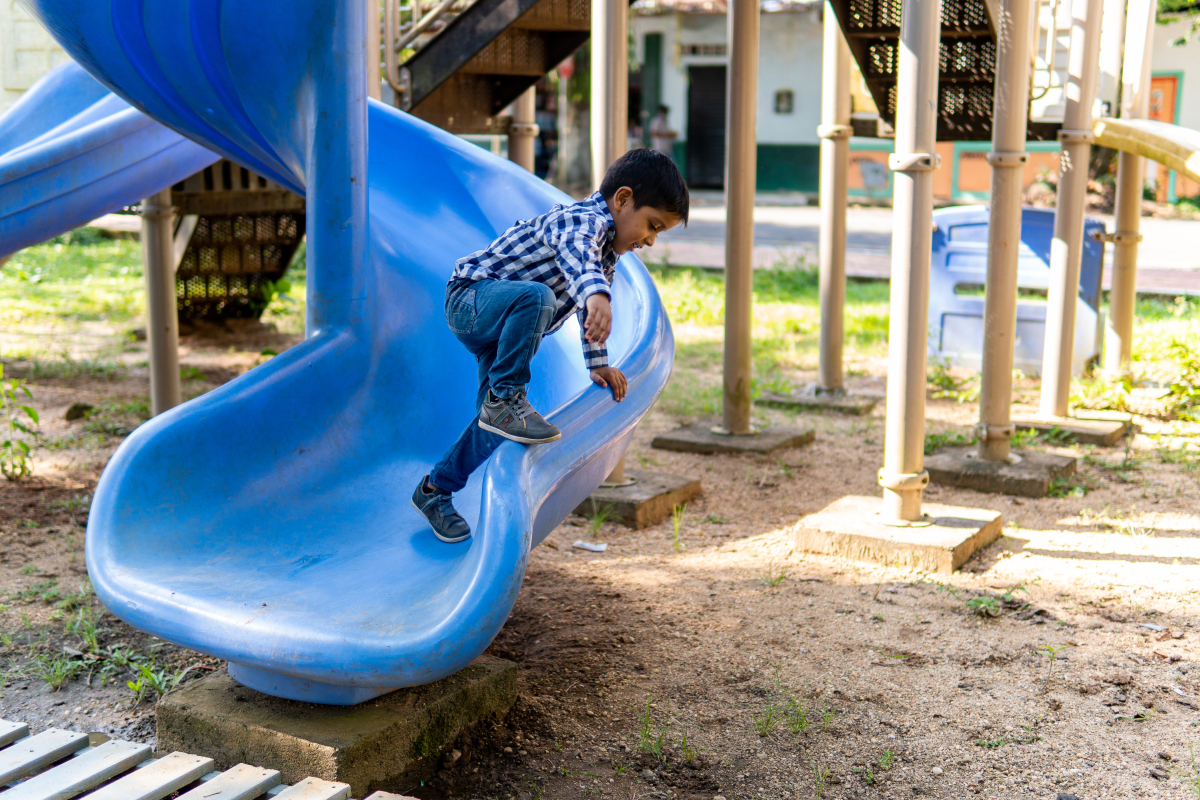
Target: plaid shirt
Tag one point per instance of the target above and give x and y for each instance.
(569, 249)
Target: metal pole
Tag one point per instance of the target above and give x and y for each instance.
(162, 319)
(523, 129)
(1066, 248)
(903, 476)
(1008, 159)
(1118, 345)
(374, 33)
(740, 164)
(610, 83)
(835, 164)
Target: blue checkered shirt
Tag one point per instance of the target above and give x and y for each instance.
(569, 249)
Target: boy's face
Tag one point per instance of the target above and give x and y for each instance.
(637, 227)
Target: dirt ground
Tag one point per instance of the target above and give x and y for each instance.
(732, 666)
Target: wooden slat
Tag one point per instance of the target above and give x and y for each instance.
(242, 782)
(90, 769)
(157, 779)
(11, 731)
(313, 789)
(34, 752)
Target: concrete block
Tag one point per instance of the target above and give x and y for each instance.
(1103, 428)
(808, 399)
(853, 527)
(699, 438)
(385, 743)
(1029, 477)
(646, 502)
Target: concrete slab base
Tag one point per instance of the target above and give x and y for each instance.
(853, 527)
(808, 399)
(646, 502)
(1103, 428)
(699, 438)
(385, 743)
(1029, 477)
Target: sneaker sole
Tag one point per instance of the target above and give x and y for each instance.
(445, 539)
(522, 439)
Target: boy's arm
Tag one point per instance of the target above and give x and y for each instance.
(595, 354)
(578, 253)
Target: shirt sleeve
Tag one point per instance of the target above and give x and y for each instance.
(595, 355)
(578, 254)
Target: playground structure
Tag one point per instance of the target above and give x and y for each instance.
(260, 554)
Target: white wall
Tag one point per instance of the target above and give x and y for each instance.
(789, 58)
(26, 52)
(1184, 59)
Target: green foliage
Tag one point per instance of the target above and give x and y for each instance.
(773, 576)
(598, 517)
(1172, 10)
(676, 522)
(15, 461)
(943, 384)
(78, 277)
(767, 721)
(1051, 652)
(1100, 394)
(984, 605)
(935, 441)
(157, 681)
(56, 671)
(1183, 396)
(650, 740)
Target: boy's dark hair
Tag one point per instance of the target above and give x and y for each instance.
(653, 178)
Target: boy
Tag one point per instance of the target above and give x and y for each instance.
(502, 300)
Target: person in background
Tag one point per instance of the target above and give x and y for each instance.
(662, 138)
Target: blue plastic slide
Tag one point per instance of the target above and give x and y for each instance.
(268, 522)
(70, 150)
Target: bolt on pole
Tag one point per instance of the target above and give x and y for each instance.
(162, 318)
(1067, 246)
(610, 84)
(1139, 40)
(1008, 159)
(834, 132)
(903, 476)
(740, 165)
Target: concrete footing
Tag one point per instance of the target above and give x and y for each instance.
(1030, 476)
(385, 743)
(1103, 428)
(810, 399)
(646, 502)
(854, 527)
(700, 438)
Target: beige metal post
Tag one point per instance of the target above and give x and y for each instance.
(835, 166)
(374, 48)
(1008, 159)
(1067, 246)
(1118, 345)
(740, 165)
(162, 319)
(523, 129)
(903, 476)
(610, 83)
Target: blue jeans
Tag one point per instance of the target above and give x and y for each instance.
(502, 324)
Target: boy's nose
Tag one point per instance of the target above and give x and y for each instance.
(649, 240)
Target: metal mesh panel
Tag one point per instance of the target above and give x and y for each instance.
(229, 258)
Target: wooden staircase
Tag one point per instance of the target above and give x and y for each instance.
(488, 55)
(967, 68)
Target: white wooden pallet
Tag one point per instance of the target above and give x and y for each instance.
(59, 765)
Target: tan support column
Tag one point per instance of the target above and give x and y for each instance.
(162, 319)
(374, 48)
(1122, 299)
(523, 129)
(903, 476)
(610, 83)
(1067, 246)
(741, 161)
(835, 166)
(1008, 159)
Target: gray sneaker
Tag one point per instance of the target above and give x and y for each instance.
(515, 419)
(437, 509)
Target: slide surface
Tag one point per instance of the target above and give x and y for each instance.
(268, 522)
(70, 151)
(1170, 145)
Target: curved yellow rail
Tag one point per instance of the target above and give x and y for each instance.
(1170, 145)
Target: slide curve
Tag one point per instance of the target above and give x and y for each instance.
(70, 151)
(1172, 146)
(268, 522)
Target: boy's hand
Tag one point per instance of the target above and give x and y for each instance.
(611, 378)
(599, 319)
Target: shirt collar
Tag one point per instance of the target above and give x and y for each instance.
(596, 199)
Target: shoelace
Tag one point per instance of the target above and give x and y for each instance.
(520, 406)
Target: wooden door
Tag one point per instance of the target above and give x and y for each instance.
(1163, 90)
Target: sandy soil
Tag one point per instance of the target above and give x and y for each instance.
(790, 675)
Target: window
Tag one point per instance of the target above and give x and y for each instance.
(785, 101)
(704, 50)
